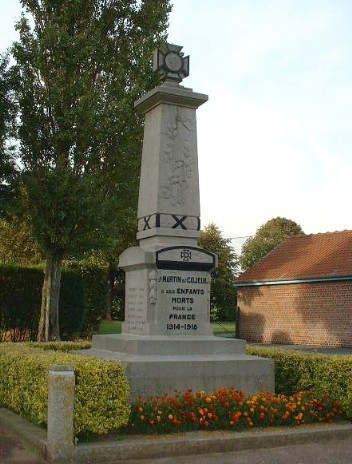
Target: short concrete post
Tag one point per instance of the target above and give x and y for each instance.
(60, 413)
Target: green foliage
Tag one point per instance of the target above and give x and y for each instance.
(94, 279)
(101, 389)
(19, 301)
(72, 303)
(17, 244)
(223, 292)
(7, 120)
(82, 301)
(296, 371)
(80, 65)
(267, 237)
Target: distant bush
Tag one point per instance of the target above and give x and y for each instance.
(20, 295)
(297, 371)
(95, 285)
(101, 388)
(82, 301)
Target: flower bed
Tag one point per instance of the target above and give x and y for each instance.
(229, 409)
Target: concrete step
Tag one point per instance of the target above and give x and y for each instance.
(168, 345)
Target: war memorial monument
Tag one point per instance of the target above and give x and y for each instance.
(167, 341)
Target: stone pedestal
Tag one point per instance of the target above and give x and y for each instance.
(159, 364)
(168, 291)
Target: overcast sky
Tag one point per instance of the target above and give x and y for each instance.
(275, 137)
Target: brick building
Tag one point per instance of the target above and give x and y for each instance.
(299, 293)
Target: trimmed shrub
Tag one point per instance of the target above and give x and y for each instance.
(20, 294)
(82, 301)
(95, 284)
(72, 303)
(101, 390)
(296, 371)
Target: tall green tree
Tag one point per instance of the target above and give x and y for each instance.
(8, 112)
(81, 65)
(17, 244)
(223, 292)
(266, 238)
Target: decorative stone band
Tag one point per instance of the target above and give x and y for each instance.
(185, 258)
(168, 221)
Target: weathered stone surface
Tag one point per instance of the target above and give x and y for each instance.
(166, 339)
(169, 204)
(60, 413)
(156, 365)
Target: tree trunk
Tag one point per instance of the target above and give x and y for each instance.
(49, 312)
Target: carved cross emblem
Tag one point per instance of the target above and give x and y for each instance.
(186, 255)
(170, 62)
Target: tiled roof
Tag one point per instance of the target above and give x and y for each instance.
(304, 257)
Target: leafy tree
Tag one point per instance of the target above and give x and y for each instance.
(267, 237)
(8, 111)
(7, 119)
(223, 293)
(81, 65)
(17, 244)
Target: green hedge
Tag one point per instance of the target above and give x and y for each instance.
(20, 290)
(95, 287)
(101, 390)
(82, 300)
(296, 371)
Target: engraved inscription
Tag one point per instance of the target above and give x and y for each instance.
(183, 299)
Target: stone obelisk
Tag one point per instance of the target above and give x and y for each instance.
(168, 275)
(166, 340)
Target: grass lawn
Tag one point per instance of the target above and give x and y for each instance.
(110, 327)
(220, 328)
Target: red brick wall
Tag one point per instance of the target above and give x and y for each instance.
(300, 314)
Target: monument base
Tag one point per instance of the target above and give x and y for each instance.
(156, 365)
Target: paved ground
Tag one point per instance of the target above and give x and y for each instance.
(330, 448)
(329, 452)
(12, 451)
